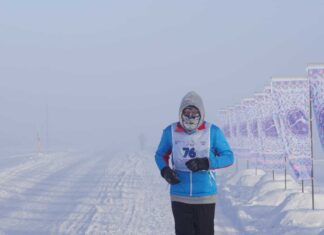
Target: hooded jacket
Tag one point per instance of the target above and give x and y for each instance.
(194, 185)
(192, 99)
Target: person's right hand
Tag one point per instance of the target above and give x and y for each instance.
(169, 175)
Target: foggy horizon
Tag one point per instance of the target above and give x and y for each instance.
(109, 71)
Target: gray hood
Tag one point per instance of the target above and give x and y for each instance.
(192, 98)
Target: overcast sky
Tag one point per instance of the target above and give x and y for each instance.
(110, 70)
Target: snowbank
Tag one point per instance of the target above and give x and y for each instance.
(263, 206)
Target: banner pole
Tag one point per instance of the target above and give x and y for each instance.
(312, 146)
(285, 172)
(47, 129)
(256, 164)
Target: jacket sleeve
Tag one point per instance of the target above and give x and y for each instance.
(164, 150)
(221, 155)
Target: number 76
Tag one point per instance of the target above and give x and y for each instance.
(189, 151)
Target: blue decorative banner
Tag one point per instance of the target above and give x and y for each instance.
(243, 142)
(232, 127)
(272, 151)
(316, 78)
(252, 128)
(223, 122)
(291, 99)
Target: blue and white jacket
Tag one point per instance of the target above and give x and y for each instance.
(201, 183)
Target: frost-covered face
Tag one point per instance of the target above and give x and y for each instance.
(190, 118)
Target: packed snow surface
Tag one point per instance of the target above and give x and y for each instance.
(105, 193)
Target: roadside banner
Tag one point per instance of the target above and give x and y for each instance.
(291, 97)
(243, 147)
(252, 128)
(223, 117)
(273, 151)
(316, 79)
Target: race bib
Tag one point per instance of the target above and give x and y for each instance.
(186, 147)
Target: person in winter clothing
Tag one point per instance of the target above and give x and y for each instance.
(196, 148)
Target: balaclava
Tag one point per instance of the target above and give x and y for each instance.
(194, 114)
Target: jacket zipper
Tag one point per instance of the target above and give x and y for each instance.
(190, 184)
(212, 175)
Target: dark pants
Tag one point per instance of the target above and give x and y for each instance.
(193, 219)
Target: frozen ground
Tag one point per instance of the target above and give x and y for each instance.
(102, 193)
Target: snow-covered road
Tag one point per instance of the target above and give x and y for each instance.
(102, 193)
(97, 193)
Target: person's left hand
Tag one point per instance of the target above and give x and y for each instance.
(198, 164)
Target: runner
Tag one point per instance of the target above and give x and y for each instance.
(197, 149)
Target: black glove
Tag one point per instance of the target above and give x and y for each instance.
(169, 175)
(198, 164)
